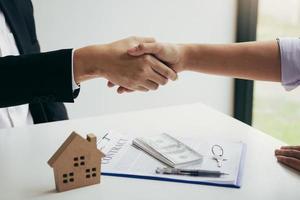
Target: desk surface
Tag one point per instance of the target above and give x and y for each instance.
(24, 153)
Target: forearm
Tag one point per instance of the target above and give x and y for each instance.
(251, 60)
(84, 63)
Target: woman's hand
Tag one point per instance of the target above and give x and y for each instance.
(289, 155)
(170, 54)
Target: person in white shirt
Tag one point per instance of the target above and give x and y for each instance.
(277, 61)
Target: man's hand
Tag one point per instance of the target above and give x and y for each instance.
(112, 62)
(170, 54)
(290, 156)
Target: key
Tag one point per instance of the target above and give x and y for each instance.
(219, 160)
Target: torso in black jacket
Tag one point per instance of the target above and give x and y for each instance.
(43, 80)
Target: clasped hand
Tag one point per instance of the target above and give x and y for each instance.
(169, 55)
(111, 61)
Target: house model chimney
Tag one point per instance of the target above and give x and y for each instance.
(92, 139)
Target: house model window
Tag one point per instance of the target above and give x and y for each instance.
(76, 163)
(68, 177)
(91, 172)
(79, 161)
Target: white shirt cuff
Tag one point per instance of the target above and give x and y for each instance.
(74, 84)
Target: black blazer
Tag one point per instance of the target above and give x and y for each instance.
(43, 80)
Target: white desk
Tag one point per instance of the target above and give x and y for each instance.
(25, 174)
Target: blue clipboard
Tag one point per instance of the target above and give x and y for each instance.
(158, 178)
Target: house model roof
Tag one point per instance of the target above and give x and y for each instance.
(90, 142)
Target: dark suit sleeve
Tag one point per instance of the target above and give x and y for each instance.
(36, 78)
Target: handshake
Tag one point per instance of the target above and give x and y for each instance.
(134, 63)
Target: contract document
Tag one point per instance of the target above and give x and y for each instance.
(123, 159)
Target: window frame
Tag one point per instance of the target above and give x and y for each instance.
(246, 31)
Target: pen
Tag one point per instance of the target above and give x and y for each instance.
(189, 172)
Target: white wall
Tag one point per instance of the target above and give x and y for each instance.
(75, 23)
(287, 12)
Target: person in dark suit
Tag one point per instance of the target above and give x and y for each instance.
(34, 84)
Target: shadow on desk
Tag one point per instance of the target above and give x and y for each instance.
(39, 192)
(290, 170)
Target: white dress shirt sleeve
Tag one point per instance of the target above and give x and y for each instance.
(290, 62)
(75, 86)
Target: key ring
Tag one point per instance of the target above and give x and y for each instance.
(217, 148)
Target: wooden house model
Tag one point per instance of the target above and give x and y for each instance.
(76, 163)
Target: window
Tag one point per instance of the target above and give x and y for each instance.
(79, 161)
(276, 111)
(68, 177)
(89, 173)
